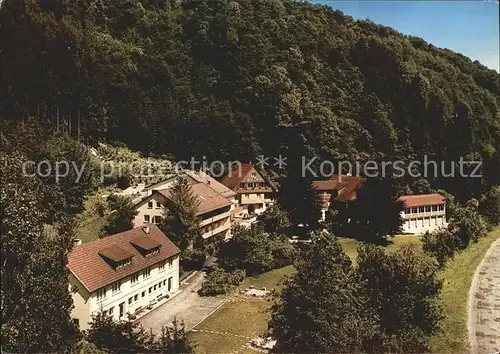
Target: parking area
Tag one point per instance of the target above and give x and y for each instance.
(187, 306)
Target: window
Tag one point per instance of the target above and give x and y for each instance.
(130, 300)
(116, 287)
(123, 263)
(156, 219)
(159, 285)
(150, 290)
(150, 204)
(136, 297)
(146, 218)
(134, 278)
(154, 287)
(250, 185)
(162, 265)
(170, 262)
(111, 310)
(158, 205)
(146, 273)
(164, 282)
(254, 175)
(143, 294)
(101, 294)
(169, 284)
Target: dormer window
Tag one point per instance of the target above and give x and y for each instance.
(146, 246)
(152, 251)
(123, 263)
(150, 204)
(116, 257)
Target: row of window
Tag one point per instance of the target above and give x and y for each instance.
(156, 219)
(256, 185)
(135, 298)
(417, 223)
(134, 278)
(151, 202)
(424, 209)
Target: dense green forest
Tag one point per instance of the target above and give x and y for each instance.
(224, 79)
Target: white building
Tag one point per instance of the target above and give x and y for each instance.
(214, 209)
(426, 212)
(122, 274)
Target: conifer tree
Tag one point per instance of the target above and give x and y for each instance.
(322, 308)
(296, 194)
(179, 222)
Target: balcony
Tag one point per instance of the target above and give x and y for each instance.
(424, 214)
(215, 218)
(217, 230)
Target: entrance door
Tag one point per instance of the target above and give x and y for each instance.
(122, 309)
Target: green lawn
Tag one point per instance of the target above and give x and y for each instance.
(350, 245)
(269, 280)
(246, 318)
(457, 277)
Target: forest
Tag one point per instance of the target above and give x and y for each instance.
(226, 79)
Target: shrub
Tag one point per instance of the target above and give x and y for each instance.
(192, 259)
(123, 182)
(256, 251)
(218, 282)
(467, 225)
(490, 206)
(283, 252)
(441, 244)
(100, 207)
(238, 276)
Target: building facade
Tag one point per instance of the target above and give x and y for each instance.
(422, 213)
(253, 193)
(214, 209)
(122, 274)
(338, 189)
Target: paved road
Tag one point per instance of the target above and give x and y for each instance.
(484, 304)
(186, 306)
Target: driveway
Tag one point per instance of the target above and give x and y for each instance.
(187, 306)
(484, 304)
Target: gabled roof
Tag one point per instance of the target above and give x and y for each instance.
(202, 177)
(243, 173)
(208, 198)
(422, 200)
(348, 191)
(237, 173)
(94, 272)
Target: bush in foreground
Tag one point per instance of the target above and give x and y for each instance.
(219, 282)
(441, 244)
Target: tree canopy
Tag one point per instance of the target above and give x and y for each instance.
(226, 79)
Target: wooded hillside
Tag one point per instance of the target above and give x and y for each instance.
(223, 79)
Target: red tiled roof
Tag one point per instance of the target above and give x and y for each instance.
(236, 175)
(422, 199)
(202, 177)
(94, 272)
(344, 186)
(348, 192)
(208, 198)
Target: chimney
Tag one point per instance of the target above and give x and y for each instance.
(145, 229)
